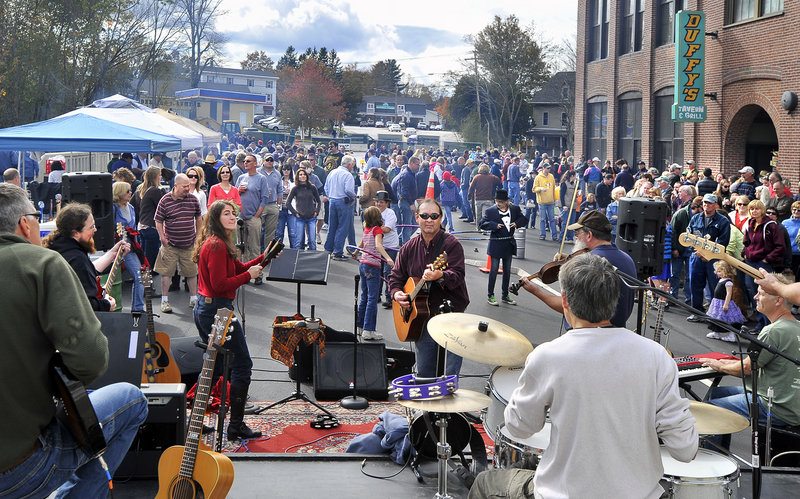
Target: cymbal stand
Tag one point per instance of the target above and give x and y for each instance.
(443, 452)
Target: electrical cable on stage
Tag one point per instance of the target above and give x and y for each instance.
(286, 450)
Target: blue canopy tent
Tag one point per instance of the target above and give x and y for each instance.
(80, 132)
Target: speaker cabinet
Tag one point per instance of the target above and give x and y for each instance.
(94, 189)
(165, 426)
(333, 373)
(641, 229)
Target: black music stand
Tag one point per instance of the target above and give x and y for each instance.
(301, 267)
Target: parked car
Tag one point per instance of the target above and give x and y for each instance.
(422, 125)
(380, 124)
(258, 117)
(437, 126)
(277, 126)
(394, 127)
(368, 122)
(268, 120)
(410, 131)
(250, 130)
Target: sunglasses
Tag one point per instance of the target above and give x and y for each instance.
(741, 204)
(432, 216)
(269, 160)
(772, 213)
(192, 176)
(226, 172)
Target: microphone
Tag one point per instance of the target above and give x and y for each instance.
(357, 278)
(240, 222)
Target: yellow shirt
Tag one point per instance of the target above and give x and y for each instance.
(545, 188)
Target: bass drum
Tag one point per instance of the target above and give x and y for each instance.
(709, 476)
(510, 450)
(501, 383)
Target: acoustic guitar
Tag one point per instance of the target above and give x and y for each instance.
(185, 471)
(159, 366)
(710, 250)
(409, 322)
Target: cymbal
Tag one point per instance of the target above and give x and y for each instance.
(713, 420)
(480, 339)
(459, 401)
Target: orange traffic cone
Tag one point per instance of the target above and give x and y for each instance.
(488, 266)
(429, 192)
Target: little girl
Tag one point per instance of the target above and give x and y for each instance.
(725, 305)
(370, 270)
(590, 203)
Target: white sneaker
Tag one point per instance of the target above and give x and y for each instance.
(166, 307)
(713, 335)
(372, 335)
(192, 302)
(324, 227)
(730, 337)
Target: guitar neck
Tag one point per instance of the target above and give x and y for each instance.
(112, 274)
(659, 322)
(747, 269)
(417, 289)
(198, 412)
(148, 306)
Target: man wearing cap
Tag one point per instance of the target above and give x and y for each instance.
(747, 184)
(593, 175)
(717, 228)
(391, 240)
(544, 186)
(210, 170)
(593, 232)
(674, 174)
(691, 166)
(125, 161)
(624, 178)
(253, 192)
(501, 220)
(273, 198)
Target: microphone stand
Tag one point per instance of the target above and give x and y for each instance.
(240, 246)
(755, 347)
(354, 401)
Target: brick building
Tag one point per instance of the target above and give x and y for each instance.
(626, 73)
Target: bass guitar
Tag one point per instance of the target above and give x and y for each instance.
(159, 366)
(710, 250)
(75, 409)
(103, 291)
(185, 471)
(409, 322)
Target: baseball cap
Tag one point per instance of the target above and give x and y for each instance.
(595, 159)
(689, 161)
(747, 169)
(710, 198)
(592, 220)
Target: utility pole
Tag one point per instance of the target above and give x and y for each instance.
(477, 91)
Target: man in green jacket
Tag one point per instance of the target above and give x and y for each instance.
(680, 254)
(46, 310)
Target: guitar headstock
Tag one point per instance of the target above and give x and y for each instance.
(703, 246)
(219, 331)
(146, 276)
(122, 232)
(441, 261)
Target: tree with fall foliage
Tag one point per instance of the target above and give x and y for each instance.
(311, 100)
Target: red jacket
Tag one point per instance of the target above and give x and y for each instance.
(764, 242)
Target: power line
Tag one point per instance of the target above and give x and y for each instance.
(406, 58)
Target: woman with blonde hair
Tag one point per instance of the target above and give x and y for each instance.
(126, 216)
(197, 180)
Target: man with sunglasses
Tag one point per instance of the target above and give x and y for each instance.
(415, 260)
(273, 199)
(253, 194)
(716, 227)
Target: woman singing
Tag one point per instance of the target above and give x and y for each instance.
(220, 275)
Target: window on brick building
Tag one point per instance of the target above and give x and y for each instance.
(668, 146)
(665, 21)
(632, 19)
(629, 133)
(563, 119)
(545, 118)
(596, 127)
(598, 30)
(742, 10)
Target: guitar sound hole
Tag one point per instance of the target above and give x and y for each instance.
(185, 488)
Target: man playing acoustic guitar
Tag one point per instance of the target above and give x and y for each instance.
(414, 260)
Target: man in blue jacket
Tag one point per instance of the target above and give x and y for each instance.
(717, 228)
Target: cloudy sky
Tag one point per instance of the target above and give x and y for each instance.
(424, 37)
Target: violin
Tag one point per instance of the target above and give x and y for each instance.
(548, 273)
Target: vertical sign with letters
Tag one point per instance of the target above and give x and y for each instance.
(689, 66)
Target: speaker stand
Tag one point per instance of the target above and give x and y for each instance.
(639, 311)
(354, 402)
(298, 392)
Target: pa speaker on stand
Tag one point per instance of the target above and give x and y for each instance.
(94, 189)
(641, 229)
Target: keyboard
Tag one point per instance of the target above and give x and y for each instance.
(690, 367)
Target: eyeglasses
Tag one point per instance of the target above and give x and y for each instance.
(269, 160)
(192, 176)
(741, 204)
(37, 215)
(226, 172)
(772, 213)
(432, 216)
(249, 161)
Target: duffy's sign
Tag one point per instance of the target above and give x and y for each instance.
(689, 66)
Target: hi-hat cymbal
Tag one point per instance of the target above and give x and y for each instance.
(713, 420)
(480, 339)
(459, 401)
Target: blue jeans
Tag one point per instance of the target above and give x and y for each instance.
(566, 221)
(370, 292)
(133, 266)
(733, 399)
(427, 351)
(60, 464)
(301, 225)
(340, 213)
(284, 224)
(242, 365)
(547, 216)
(466, 208)
(448, 218)
(151, 243)
(407, 219)
(530, 214)
(751, 288)
(506, 274)
(676, 267)
(513, 192)
(700, 273)
(386, 270)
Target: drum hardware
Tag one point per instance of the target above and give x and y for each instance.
(480, 339)
(510, 450)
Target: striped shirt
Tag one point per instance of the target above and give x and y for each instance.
(178, 217)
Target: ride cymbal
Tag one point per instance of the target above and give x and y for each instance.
(713, 420)
(480, 339)
(459, 401)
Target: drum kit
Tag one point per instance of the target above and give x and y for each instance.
(488, 341)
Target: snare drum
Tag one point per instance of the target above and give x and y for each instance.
(509, 450)
(709, 476)
(501, 383)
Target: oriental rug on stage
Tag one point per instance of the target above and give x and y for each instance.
(286, 428)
